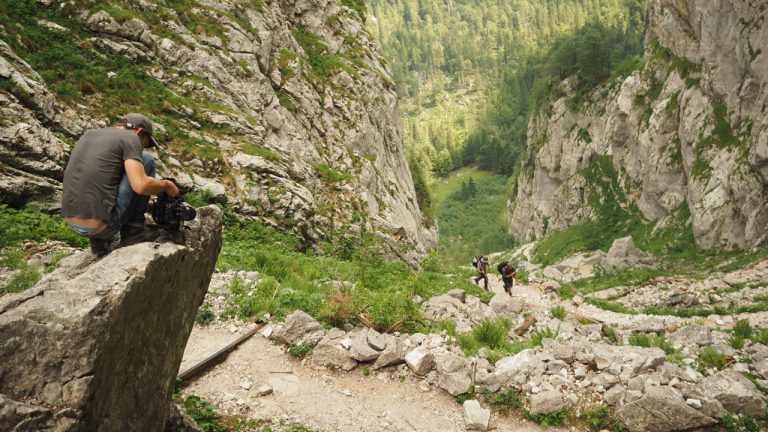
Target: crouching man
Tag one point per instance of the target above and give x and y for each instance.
(108, 181)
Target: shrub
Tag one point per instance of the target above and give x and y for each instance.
(541, 333)
(554, 418)
(205, 315)
(742, 329)
(651, 340)
(489, 333)
(711, 357)
(300, 350)
(558, 312)
(505, 399)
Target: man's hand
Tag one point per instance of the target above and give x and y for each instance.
(171, 189)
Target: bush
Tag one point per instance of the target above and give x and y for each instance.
(742, 329)
(651, 340)
(505, 399)
(555, 418)
(490, 334)
(711, 357)
(558, 312)
(300, 350)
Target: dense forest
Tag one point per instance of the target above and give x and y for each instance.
(469, 71)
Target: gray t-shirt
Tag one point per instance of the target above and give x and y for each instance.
(94, 171)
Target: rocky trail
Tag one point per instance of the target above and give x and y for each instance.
(581, 358)
(321, 399)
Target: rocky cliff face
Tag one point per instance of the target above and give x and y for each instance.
(281, 107)
(97, 345)
(688, 130)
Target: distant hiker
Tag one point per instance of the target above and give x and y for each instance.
(481, 264)
(508, 274)
(108, 181)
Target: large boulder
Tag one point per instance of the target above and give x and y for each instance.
(298, 328)
(97, 344)
(661, 409)
(623, 254)
(736, 393)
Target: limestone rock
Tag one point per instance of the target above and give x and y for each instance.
(518, 367)
(453, 373)
(393, 354)
(299, 328)
(661, 410)
(476, 417)
(361, 350)
(735, 392)
(505, 305)
(420, 360)
(113, 330)
(546, 402)
(623, 254)
(331, 353)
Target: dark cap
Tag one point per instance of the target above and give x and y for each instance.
(139, 121)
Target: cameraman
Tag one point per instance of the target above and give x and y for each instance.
(108, 181)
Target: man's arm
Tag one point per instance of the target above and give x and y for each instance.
(142, 184)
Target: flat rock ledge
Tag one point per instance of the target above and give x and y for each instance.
(97, 344)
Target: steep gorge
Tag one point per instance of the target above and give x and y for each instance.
(282, 108)
(685, 137)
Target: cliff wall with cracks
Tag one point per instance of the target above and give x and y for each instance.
(283, 108)
(689, 129)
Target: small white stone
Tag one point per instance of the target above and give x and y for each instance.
(346, 392)
(245, 385)
(694, 403)
(240, 402)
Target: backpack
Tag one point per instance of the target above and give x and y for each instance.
(476, 260)
(501, 266)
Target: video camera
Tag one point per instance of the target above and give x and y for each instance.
(171, 213)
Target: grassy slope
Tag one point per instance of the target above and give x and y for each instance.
(472, 226)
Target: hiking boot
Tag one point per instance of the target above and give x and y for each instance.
(100, 247)
(131, 235)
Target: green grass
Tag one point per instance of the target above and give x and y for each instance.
(294, 278)
(491, 334)
(257, 150)
(300, 350)
(651, 340)
(555, 418)
(506, 399)
(558, 312)
(443, 188)
(711, 357)
(330, 174)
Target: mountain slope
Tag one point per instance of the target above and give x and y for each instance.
(282, 108)
(684, 135)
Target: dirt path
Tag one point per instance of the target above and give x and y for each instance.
(321, 399)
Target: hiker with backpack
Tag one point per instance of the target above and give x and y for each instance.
(508, 274)
(481, 264)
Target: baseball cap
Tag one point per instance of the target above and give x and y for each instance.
(139, 121)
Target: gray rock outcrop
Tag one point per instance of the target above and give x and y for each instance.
(661, 409)
(736, 393)
(97, 344)
(683, 145)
